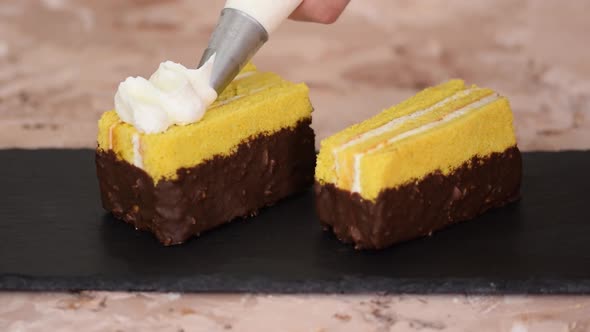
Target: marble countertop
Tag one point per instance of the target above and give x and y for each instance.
(95, 311)
(61, 61)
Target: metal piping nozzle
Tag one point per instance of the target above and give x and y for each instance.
(237, 37)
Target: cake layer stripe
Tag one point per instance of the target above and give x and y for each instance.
(356, 187)
(344, 154)
(238, 97)
(137, 155)
(401, 120)
(325, 170)
(111, 129)
(444, 148)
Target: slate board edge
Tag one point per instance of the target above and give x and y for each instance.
(349, 285)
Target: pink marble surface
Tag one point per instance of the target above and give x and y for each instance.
(61, 60)
(90, 311)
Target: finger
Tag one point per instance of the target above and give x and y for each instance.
(319, 11)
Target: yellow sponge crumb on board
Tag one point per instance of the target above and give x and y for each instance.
(451, 125)
(254, 104)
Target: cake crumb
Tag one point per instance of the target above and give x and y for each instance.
(187, 311)
(342, 317)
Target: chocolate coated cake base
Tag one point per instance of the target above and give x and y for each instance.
(262, 171)
(420, 208)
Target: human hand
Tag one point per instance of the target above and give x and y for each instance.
(319, 11)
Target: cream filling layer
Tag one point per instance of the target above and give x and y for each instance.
(111, 129)
(234, 98)
(395, 123)
(357, 186)
(174, 95)
(137, 156)
(244, 75)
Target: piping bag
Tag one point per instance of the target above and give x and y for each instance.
(242, 29)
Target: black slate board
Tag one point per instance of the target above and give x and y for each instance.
(55, 236)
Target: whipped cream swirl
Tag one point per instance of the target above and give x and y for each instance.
(174, 95)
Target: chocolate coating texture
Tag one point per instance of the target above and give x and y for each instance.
(421, 207)
(260, 172)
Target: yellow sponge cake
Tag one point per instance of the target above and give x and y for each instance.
(253, 146)
(442, 156)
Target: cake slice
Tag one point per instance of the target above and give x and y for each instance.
(253, 147)
(443, 156)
